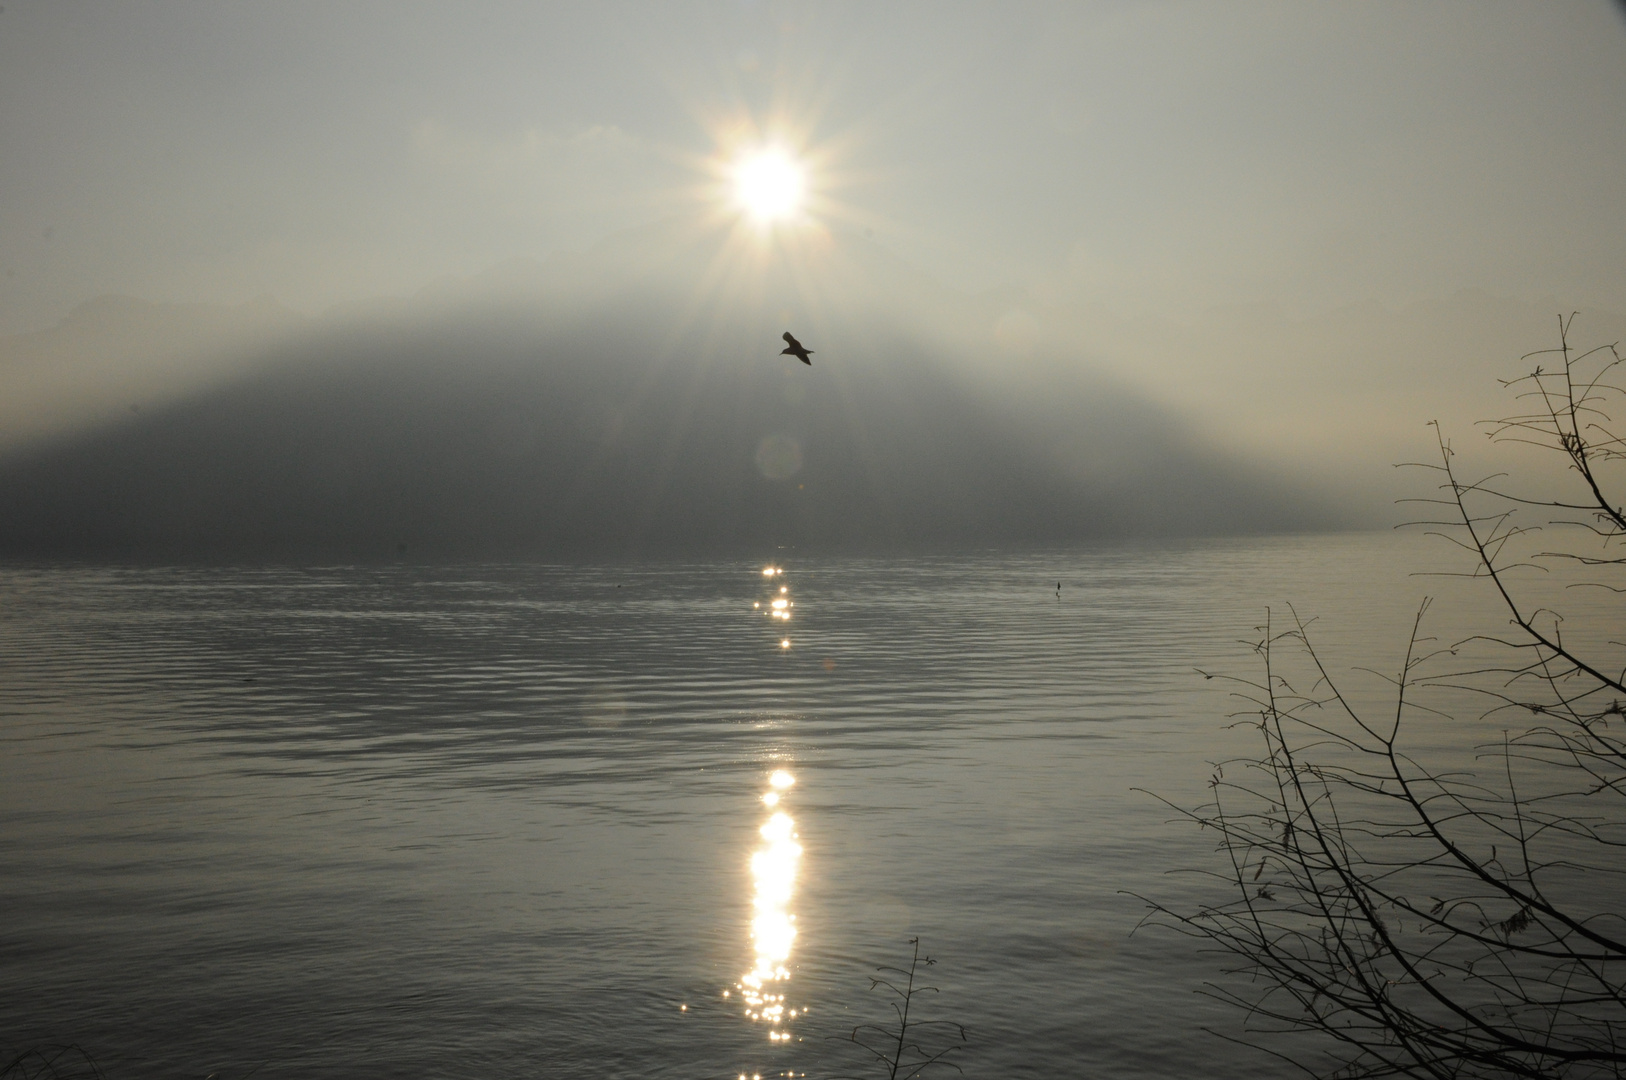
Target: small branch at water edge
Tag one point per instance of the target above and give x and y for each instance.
(899, 1051)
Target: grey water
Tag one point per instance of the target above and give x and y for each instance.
(500, 820)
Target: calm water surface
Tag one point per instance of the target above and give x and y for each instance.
(571, 821)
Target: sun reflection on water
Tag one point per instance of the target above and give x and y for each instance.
(774, 865)
(780, 604)
(773, 925)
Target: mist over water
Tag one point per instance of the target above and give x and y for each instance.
(442, 635)
(502, 818)
(581, 409)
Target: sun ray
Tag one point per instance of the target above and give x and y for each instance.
(757, 232)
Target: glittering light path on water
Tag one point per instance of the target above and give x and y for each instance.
(773, 926)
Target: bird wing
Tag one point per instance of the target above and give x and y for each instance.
(791, 341)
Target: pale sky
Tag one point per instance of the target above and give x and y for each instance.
(1153, 157)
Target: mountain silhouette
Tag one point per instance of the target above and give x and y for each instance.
(511, 421)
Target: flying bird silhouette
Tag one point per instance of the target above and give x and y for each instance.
(797, 349)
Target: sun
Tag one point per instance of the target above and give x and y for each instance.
(769, 185)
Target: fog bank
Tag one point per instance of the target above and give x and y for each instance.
(571, 411)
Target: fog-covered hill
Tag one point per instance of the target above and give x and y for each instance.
(548, 413)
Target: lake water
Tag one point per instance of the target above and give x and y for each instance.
(502, 820)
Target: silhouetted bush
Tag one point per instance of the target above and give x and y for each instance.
(1466, 920)
(51, 1062)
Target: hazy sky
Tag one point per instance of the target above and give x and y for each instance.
(1151, 157)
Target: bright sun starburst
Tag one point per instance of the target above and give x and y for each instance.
(769, 184)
